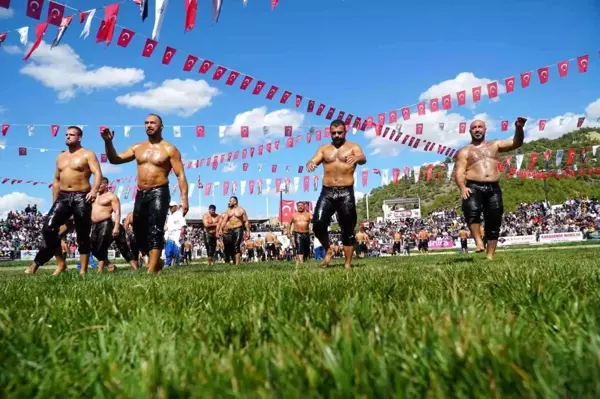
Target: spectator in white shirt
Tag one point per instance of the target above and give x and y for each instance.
(173, 233)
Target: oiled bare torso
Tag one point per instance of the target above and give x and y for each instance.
(337, 173)
(482, 162)
(74, 171)
(102, 207)
(154, 164)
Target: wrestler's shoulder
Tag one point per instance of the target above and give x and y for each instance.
(169, 147)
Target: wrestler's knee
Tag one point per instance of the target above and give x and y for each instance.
(84, 244)
(348, 238)
(156, 238)
(320, 227)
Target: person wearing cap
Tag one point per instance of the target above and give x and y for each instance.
(173, 233)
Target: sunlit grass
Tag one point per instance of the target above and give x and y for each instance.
(524, 325)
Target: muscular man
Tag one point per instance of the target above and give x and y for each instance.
(397, 247)
(270, 246)
(362, 238)
(72, 195)
(463, 235)
(260, 251)
(301, 236)
(187, 252)
(423, 240)
(339, 162)
(155, 158)
(249, 244)
(104, 230)
(210, 221)
(477, 178)
(231, 227)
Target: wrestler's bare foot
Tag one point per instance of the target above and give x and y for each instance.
(31, 269)
(159, 266)
(479, 250)
(328, 257)
(59, 270)
(490, 257)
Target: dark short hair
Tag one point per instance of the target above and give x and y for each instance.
(338, 122)
(158, 116)
(234, 197)
(212, 207)
(105, 179)
(79, 131)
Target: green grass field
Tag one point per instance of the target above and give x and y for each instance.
(525, 325)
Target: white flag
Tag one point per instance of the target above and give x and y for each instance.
(127, 129)
(268, 184)
(450, 170)
(120, 191)
(354, 131)
(385, 177)
(88, 24)
(159, 13)
(245, 2)
(191, 189)
(260, 167)
(177, 131)
(296, 183)
(242, 187)
(24, 33)
(519, 161)
(222, 130)
(30, 130)
(416, 170)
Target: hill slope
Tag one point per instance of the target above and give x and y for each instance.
(437, 194)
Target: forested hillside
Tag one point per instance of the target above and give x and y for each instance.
(437, 194)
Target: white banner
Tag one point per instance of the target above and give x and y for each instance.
(561, 237)
(30, 255)
(505, 241)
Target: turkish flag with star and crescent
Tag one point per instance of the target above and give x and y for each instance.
(206, 65)
(149, 47)
(125, 37)
(287, 209)
(34, 8)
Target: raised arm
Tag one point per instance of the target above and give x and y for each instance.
(461, 172)
(177, 166)
(315, 160)
(95, 169)
(517, 140)
(127, 156)
(116, 207)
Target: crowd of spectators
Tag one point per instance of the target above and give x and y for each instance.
(20, 230)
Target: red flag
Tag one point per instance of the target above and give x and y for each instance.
(244, 153)
(542, 124)
(419, 128)
(477, 93)
(395, 175)
(532, 160)
(260, 149)
(311, 106)
(236, 154)
(22, 151)
(149, 47)
(168, 56)
(405, 113)
(393, 116)
(580, 121)
(54, 129)
(125, 37)
(421, 108)
(82, 16)
(34, 8)
(199, 131)
(276, 145)
(321, 109)
(306, 183)
(206, 65)
(462, 127)
(110, 20)
(287, 207)
(378, 130)
(582, 63)
(525, 79)
(272, 92)
(434, 105)
(252, 152)
(365, 177)
(229, 155)
(341, 115)
(286, 95)
(5, 129)
(369, 122)
(461, 97)
(190, 62)
(327, 132)
(504, 126)
(219, 72)
(245, 132)
(245, 82)
(274, 4)
(290, 142)
(318, 135)
(245, 167)
(232, 78)
(2, 37)
(543, 74)
(563, 68)
(103, 158)
(191, 6)
(40, 29)
(288, 131)
(381, 119)
(330, 113)
(357, 122)
(446, 102)
(56, 12)
(258, 88)
(269, 147)
(298, 100)
(492, 90)
(274, 168)
(510, 84)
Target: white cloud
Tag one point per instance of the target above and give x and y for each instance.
(593, 110)
(358, 195)
(6, 13)
(257, 118)
(126, 207)
(229, 167)
(62, 69)
(463, 81)
(196, 212)
(183, 97)
(18, 201)
(149, 85)
(12, 49)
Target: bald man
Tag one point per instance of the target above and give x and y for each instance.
(477, 178)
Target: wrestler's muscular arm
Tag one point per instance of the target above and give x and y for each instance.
(517, 140)
(95, 168)
(221, 223)
(116, 207)
(461, 172)
(56, 183)
(357, 156)
(127, 156)
(316, 159)
(177, 166)
(246, 224)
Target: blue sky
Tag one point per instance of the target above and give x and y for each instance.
(361, 56)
